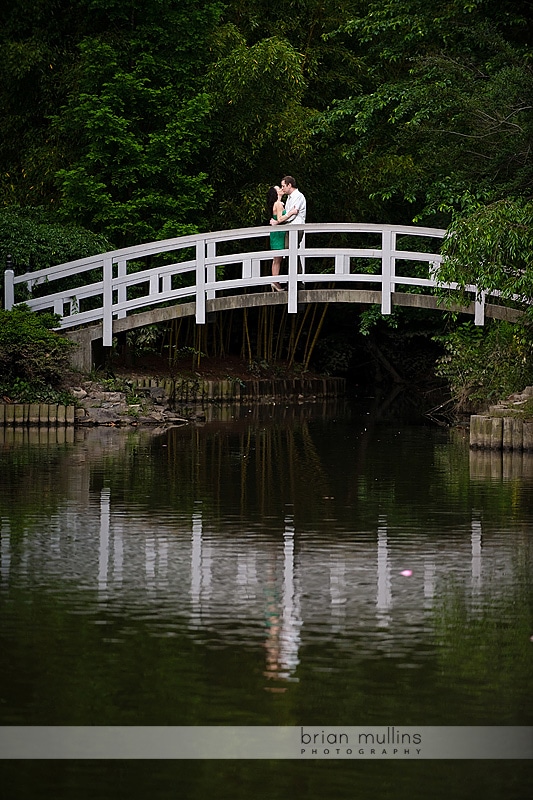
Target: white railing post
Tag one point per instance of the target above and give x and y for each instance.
(9, 289)
(107, 321)
(200, 281)
(256, 267)
(122, 289)
(479, 309)
(154, 287)
(211, 267)
(246, 271)
(292, 286)
(387, 271)
(342, 264)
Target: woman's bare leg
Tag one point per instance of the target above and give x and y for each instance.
(276, 266)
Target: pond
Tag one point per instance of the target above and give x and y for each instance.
(313, 565)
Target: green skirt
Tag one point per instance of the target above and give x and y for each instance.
(277, 240)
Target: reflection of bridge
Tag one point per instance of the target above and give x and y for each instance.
(180, 574)
(208, 272)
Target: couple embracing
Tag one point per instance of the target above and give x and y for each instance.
(280, 214)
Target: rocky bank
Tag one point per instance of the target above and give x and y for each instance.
(97, 405)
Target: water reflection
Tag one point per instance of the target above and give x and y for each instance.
(274, 566)
(273, 584)
(282, 530)
(384, 595)
(282, 615)
(501, 465)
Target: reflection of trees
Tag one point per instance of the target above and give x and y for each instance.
(497, 481)
(36, 470)
(245, 467)
(270, 458)
(302, 456)
(484, 642)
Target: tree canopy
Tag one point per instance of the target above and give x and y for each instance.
(111, 133)
(144, 119)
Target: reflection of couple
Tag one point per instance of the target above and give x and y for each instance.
(280, 214)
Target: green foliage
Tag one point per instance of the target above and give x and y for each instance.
(257, 113)
(443, 112)
(492, 248)
(273, 70)
(486, 363)
(23, 391)
(143, 340)
(141, 118)
(132, 131)
(33, 358)
(116, 124)
(373, 317)
(333, 355)
(36, 242)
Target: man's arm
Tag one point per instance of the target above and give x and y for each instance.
(286, 218)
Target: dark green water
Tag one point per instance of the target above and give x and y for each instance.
(249, 572)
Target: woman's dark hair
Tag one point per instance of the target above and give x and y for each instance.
(272, 196)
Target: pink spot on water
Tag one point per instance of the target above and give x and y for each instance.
(406, 573)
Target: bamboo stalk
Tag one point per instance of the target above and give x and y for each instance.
(315, 338)
(281, 335)
(298, 334)
(247, 335)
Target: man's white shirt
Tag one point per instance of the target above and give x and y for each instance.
(296, 200)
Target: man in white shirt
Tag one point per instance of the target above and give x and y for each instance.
(295, 210)
(295, 207)
(295, 199)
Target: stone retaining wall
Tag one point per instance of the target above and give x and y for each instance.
(42, 414)
(508, 425)
(158, 396)
(232, 390)
(501, 433)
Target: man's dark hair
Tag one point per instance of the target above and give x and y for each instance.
(291, 180)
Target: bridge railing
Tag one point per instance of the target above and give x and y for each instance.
(203, 266)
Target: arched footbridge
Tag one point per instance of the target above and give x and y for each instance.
(100, 296)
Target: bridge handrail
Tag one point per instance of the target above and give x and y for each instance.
(205, 282)
(181, 242)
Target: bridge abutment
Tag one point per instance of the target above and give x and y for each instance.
(82, 356)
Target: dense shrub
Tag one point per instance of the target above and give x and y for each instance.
(35, 241)
(33, 358)
(486, 363)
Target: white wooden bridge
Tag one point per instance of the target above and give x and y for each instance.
(99, 296)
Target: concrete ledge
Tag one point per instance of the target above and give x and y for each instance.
(36, 414)
(500, 433)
